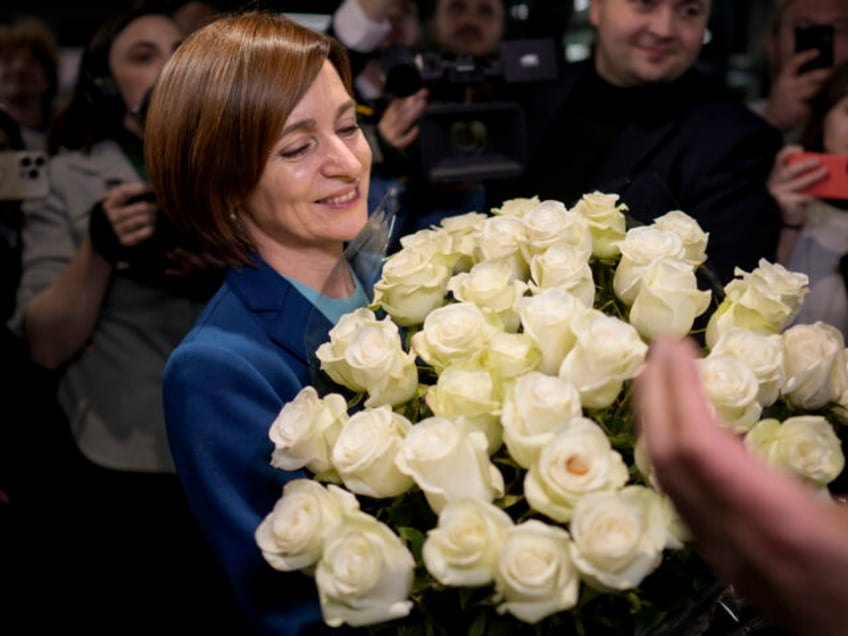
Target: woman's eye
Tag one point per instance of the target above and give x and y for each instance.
(347, 131)
(294, 152)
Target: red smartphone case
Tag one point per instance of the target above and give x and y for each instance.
(835, 184)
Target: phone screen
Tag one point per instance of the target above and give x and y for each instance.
(819, 37)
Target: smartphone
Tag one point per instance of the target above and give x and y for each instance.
(819, 37)
(835, 184)
(23, 175)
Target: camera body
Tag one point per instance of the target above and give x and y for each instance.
(463, 140)
(819, 37)
(23, 175)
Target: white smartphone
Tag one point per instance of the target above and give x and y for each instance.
(23, 175)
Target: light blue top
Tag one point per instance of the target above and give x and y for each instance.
(333, 308)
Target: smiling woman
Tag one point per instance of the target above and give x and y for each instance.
(269, 170)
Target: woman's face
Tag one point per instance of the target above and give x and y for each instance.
(137, 55)
(313, 191)
(836, 128)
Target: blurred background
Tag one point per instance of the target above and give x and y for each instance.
(734, 50)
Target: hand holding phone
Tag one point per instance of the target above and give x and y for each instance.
(818, 37)
(835, 184)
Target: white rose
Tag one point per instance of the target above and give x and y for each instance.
(805, 445)
(606, 221)
(762, 353)
(305, 430)
(642, 461)
(535, 577)
(412, 285)
(535, 408)
(435, 244)
(618, 537)
(463, 549)
(607, 351)
(642, 246)
(464, 230)
(668, 300)
(492, 286)
(365, 574)
(678, 533)
(378, 363)
(693, 237)
(501, 237)
(510, 355)
(291, 536)
(546, 318)
(544, 226)
(448, 463)
(365, 451)
(517, 207)
(814, 360)
(578, 460)
(454, 333)
(331, 354)
(467, 390)
(563, 266)
(732, 390)
(766, 300)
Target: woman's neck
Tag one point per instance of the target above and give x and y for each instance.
(316, 267)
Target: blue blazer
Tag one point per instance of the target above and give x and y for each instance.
(223, 387)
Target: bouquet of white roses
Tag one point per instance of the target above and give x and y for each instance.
(478, 470)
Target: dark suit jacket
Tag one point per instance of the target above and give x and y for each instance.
(700, 152)
(223, 387)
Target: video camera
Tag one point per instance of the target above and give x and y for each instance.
(465, 140)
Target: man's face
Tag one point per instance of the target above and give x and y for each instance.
(469, 27)
(647, 41)
(801, 13)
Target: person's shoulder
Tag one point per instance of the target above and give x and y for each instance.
(715, 104)
(102, 155)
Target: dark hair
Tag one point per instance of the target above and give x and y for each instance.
(832, 92)
(32, 34)
(94, 110)
(215, 113)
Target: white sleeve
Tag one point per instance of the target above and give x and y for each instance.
(355, 30)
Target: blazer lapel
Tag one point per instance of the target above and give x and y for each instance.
(290, 320)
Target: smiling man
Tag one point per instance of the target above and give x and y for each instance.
(637, 119)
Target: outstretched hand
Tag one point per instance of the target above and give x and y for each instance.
(764, 532)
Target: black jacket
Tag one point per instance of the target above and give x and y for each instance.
(681, 146)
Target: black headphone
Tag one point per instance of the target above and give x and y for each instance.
(107, 87)
(100, 92)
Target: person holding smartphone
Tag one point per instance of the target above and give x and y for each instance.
(806, 38)
(814, 234)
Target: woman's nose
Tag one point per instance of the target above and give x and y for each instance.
(343, 159)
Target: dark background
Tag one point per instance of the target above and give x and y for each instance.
(735, 49)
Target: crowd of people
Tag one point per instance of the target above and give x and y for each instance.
(206, 171)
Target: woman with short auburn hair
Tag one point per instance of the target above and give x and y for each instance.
(187, 123)
(253, 146)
